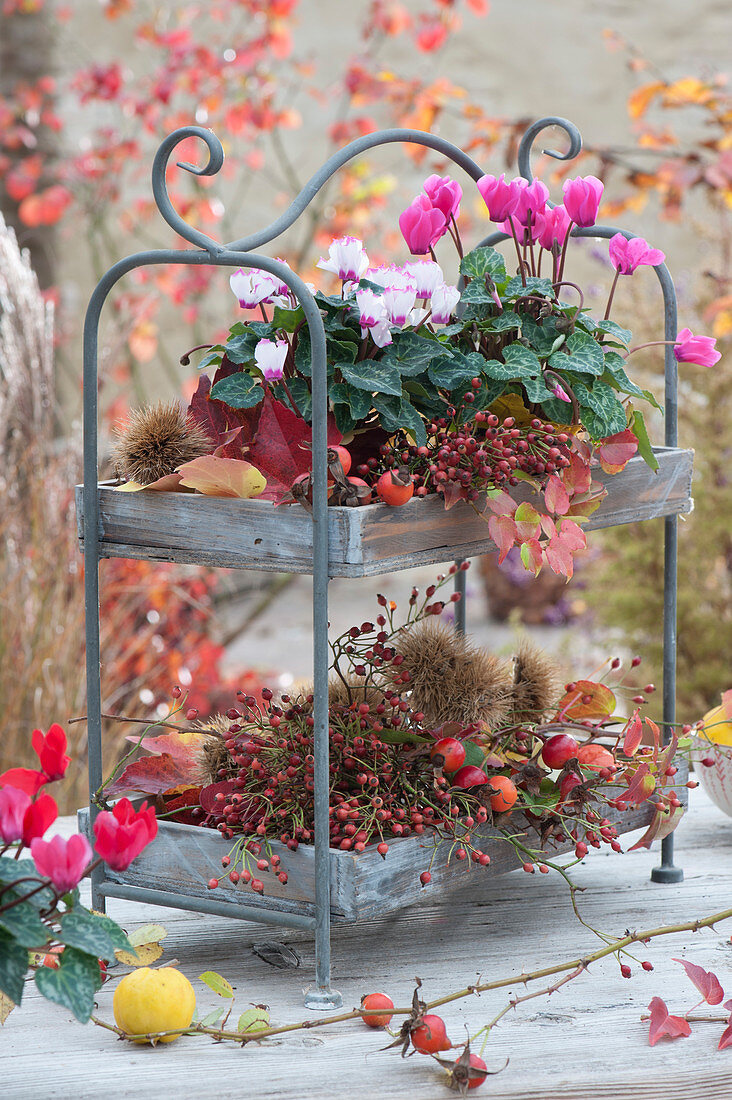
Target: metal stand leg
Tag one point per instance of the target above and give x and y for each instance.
(667, 872)
(460, 605)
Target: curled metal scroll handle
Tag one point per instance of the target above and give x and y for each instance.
(527, 141)
(160, 186)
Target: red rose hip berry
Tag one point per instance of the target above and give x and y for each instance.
(430, 1035)
(448, 753)
(377, 1000)
(558, 750)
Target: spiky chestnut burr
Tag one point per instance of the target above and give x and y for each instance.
(156, 440)
(535, 683)
(451, 681)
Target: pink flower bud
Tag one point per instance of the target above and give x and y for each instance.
(626, 255)
(13, 804)
(701, 350)
(500, 197)
(559, 391)
(531, 202)
(63, 861)
(422, 225)
(582, 199)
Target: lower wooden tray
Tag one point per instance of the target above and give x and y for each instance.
(183, 858)
(373, 539)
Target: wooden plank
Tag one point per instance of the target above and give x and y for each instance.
(364, 541)
(559, 1048)
(183, 858)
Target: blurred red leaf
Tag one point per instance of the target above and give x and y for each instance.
(45, 207)
(151, 775)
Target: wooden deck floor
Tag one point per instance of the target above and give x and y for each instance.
(586, 1042)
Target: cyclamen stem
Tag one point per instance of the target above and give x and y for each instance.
(518, 250)
(456, 237)
(612, 294)
(651, 344)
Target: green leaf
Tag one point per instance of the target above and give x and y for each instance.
(287, 320)
(536, 390)
(448, 374)
(473, 754)
(343, 419)
(502, 322)
(476, 294)
(93, 933)
(13, 869)
(413, 422)
(300, 391)
(412, 354)
(340, 351)
(212, 358)
(560, 412)
(219, 985)
(73, 984)
(13, 966)
(489, 390)
(638, 427)
(212, 1017)
(522, 360)
(601, 400)
(542, 336)
(484, 261)
(403, 737)
(424, 397)
(615, 367)
(515, 289)
(254, 1019)
(585, 355)
(22, 921)
(376, 377)
(240, 348)
(330, 302)
(240, 391)
(622, 335)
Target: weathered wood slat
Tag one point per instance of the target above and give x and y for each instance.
(187, 527)
(183, 858)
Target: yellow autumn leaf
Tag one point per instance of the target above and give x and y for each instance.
(6, 1007)
(146, 942)
(640, 100)
(689, 89)
(222, 477)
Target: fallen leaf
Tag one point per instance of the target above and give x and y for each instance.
(706, 982)
(219, 985)
(663, 1025)
(6, 1007)
(146, 942)
(222, 477)
(153, 775)
(183, 747)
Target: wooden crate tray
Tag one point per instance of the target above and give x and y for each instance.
(183, 858)
(253, 534)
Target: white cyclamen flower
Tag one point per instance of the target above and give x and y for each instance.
(426, 275)
(373, 317)
(252, 287)
(346, 258)
(444, 300)
(270, 356)
(399, 302)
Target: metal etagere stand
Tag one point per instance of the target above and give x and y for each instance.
(97, 542)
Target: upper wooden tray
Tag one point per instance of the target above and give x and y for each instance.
(187, 527)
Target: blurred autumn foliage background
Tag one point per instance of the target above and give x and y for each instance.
(88, 90)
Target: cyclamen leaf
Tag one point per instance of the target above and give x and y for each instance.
(706, 982)
(665, 1026)
(376, 377)
(73, 984)
(240, 391)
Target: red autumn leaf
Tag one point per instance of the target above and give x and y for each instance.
(725, 1039)
(531, 555)
(184, 748)
(663, 1025)
(44, 207)
(502, 530)
(641, 786)
(22, 180)
(281, 448)
(706, 982)
(556, 496)
(217, 418)
(600, 701)
(616, 451)
(181, 801)
(633, 733)
(527, 522)
(577, 477)
(150, 775)
(500, 503)
(662, 825)
(210, 803)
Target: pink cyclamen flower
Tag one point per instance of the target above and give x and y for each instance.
(701, 350)
(399, 302)
(444, 194)
(582, 199)
(422, 225)
(626, 255)
(346, 258)
(500, 197)
(444, 300)
(555, 227)
(252, 287)
(13, 805)
(51, 751)
(425, 275)
(121, 835)
(531, 203)
(63, 861)
(270, 356)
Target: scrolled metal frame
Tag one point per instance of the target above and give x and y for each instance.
(238, 254)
